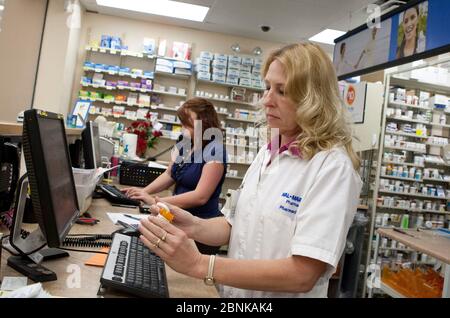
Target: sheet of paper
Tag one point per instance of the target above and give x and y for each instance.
(153, 164)
(13, 283)
(125, 219)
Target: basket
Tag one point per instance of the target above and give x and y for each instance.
(138, 174)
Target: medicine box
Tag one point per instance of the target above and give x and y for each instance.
(233, 73)
(202, 68)
(183, 71)
(245, 82)
(218, 78)
(164, 69)
(234, 59)
(233, 80)
(182, 64)
(245, 74)
(206, 55)
(164, 62)
(246, 68)
(219, 64)
(234, 66)
(219, 71)
(204, 76)
(201, 61)
(221, 57)
(247, 61)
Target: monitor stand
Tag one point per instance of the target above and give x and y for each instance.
(31, 249)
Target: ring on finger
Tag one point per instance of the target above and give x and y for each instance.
(157, 242)
(163, 238)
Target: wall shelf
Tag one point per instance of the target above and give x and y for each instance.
(256, 89)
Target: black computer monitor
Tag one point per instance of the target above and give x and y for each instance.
(50, 175)
(91, 146)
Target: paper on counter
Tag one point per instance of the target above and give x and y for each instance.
(121, 216)
(153, 164)
(13, 283)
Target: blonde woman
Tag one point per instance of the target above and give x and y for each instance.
(287, 233)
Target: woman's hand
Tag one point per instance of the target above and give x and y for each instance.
(144, 197)
(171, 244)
(183, 219)
(131, 190)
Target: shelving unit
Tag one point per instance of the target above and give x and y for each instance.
(405, 156)
(432, 244)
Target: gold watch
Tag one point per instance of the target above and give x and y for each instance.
(209, 279)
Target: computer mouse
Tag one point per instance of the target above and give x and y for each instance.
(129, 231)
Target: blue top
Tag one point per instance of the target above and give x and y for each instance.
(187, 173)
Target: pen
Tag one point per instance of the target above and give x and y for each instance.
(132, 217)
(403, 232)
(124, 206)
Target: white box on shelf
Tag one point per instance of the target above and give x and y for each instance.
(258, 63)
(221, 57)
(182, 64)
(439, 101)
(257, 83)
(164, 62)
(182, 91)
(245, 82)
(202, 68)
(183, 71)
(232, 80)
(204, 76)
(172, 90)
(201, 61)
(247, 68)
(219, 71)
(256, 72)
(245, 74)
(164, 69)
(206, 55)
(218, 78)
(169, 117)
(247, 61)
(219, 64)
(234, 66)
(234, 59)
(232, 73)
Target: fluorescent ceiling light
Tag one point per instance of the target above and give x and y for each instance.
(327, 36)
(2, 7)
(166, 8)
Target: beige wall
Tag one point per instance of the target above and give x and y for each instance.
(133, 32)
(58, 60)
(20, 39)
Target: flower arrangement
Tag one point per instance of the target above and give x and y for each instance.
(147, 135)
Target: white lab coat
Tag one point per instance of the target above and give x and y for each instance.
(294, 207)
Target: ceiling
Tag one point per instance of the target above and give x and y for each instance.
(290, 20)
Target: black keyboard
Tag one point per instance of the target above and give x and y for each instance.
(114, 195)
(131, 267)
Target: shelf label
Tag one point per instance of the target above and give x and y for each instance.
(132, 89)
(140, 55)
(102, 51)
(112, 73)
(94, 49)
(110, 88)
(133, 76)
(113, 51)
(95, 86)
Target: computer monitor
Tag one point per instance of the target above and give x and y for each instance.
(50, 175)
(91, 146)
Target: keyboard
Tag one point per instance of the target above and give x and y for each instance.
(114, 195)
(132, 268)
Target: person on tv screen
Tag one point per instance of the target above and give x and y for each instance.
(368, 53)
(412, 41)
(342, 66)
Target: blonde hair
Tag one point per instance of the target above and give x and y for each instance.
(312, 84)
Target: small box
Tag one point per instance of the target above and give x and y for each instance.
(232, 80)
(204, 76)
(164, 69)
(124, 71)
(105, 41)
(234, 59)
(183, 71)
(219, 64)
(245, 82)
(256, 73)
(149, 46)
(247, 61)
(116, 43)
(221, 57)
(258, 63)
(257, 83)
(206, 55)
(245, 74)
(164, 62)
(169, 117)
(246, 68)
(218, 78)
(233, 73)
(219, 71)
(182, 64)
(201, 61)
(234, 66)
(202, 68)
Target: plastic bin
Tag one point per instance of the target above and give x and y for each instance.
(85, 183)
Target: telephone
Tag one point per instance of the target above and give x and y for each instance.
(9, 173)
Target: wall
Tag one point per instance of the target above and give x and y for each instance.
(58, 60)
(368, 133)
(19, 51)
